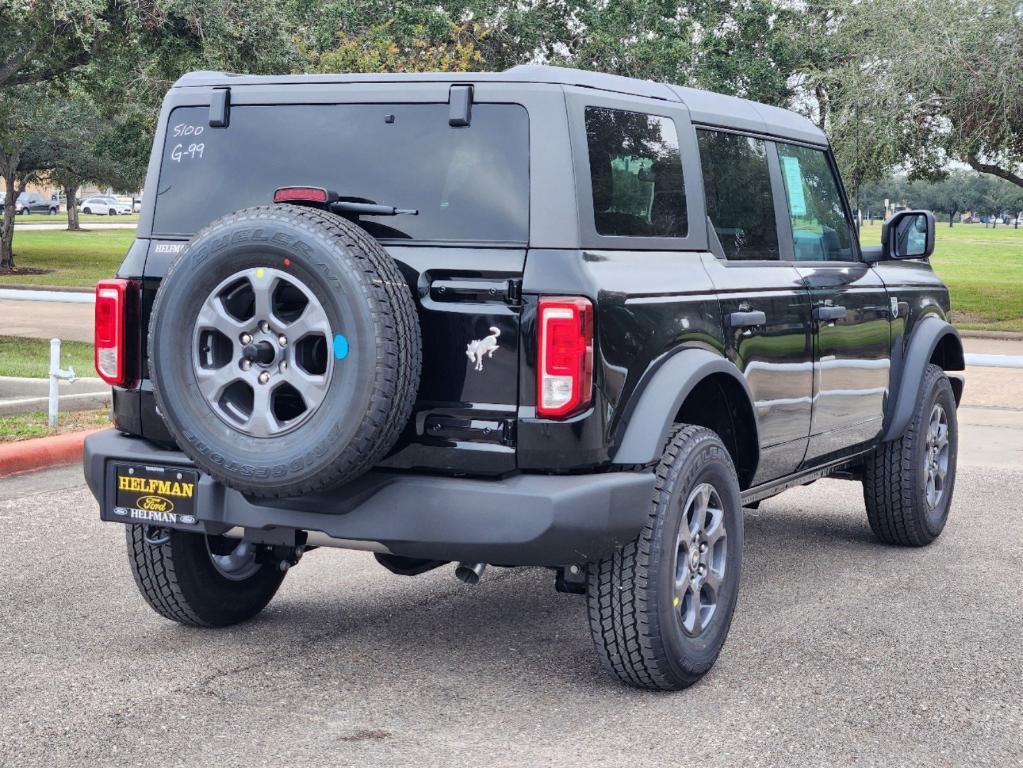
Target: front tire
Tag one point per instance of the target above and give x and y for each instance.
(181, 581)
(660, 607)
(908, 483)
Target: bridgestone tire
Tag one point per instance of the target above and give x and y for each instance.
(372, 388)
(894, 480)
(634, 620)
(180, 582)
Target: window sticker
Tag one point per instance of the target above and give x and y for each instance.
(794, 183)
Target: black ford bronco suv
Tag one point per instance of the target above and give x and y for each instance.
(540, 317)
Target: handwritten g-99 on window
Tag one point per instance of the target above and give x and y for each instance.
(190, 152)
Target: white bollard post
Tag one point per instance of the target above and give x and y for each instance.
(54, 389)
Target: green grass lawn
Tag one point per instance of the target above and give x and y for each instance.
(983, 269)
(61, 218)
(29, 425)
(75, 259)
(31, 357)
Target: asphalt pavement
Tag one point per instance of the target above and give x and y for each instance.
(843, 651)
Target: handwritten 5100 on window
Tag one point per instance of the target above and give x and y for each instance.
(192, 151)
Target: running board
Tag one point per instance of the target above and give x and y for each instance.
(773, 488)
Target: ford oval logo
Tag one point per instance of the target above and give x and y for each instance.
(155, 504)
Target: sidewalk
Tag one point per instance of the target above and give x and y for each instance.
(30, 227)
(47, 319)
(22, 395)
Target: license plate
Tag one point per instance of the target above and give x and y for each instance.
(155, 495)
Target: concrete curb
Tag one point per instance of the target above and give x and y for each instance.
(80, 401)
(42, 452)
(25, 294)
(1003, 335)
(58, 288)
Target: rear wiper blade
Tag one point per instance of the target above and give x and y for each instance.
(371, 209)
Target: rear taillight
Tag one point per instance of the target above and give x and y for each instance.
(565, 370)
(111, 350)
(301, 195)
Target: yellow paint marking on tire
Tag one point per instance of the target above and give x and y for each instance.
(676, 602)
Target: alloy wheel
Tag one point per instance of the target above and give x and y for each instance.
(262, 352)
(234, 560)
(936, 456)
(701, 559)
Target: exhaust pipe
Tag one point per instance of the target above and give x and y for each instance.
(470, 573)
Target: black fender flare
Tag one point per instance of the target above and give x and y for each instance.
(925, 337)
(659, 396)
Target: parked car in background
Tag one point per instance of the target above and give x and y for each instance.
(104, 205)
(32, 202)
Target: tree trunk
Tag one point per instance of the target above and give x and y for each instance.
(1019, 215)
(7, 228)
(71, 195)
(950, 215)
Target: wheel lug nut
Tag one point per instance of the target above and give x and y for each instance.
(264, 377)
(246, 364)
(284, 365)
(703, 547)
(282, 340)
(246, 338)
(264, 326)
(702, 569)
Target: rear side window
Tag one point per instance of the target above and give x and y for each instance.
(469, 184)
(821, 231)
(636, 174)
(737, 186)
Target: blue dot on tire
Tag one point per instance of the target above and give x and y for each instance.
(340, 347)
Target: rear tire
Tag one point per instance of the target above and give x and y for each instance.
(908, 483)
(660, 607)
(180, 582)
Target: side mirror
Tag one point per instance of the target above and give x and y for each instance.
(908, 235)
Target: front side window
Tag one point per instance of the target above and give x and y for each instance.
(740, 206)
(821, 231)
(635, 174)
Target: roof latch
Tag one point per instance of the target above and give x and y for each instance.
(220, 107)
(459, 105)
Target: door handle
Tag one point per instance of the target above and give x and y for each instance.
(828, 313)
(746, 319)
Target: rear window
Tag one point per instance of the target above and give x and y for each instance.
(469, 184)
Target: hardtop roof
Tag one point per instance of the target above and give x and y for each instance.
(704, 107)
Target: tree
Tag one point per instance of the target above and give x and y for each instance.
(923, 84)
(744, 47)
(24, 154)
(41, 40)
(83, 146)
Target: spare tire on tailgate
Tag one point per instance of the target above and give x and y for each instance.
(284, 350)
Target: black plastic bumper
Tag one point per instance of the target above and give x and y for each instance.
(527, 519)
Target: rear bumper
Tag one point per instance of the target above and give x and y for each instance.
(527, 519)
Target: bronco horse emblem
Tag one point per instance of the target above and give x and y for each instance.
(475, 350)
